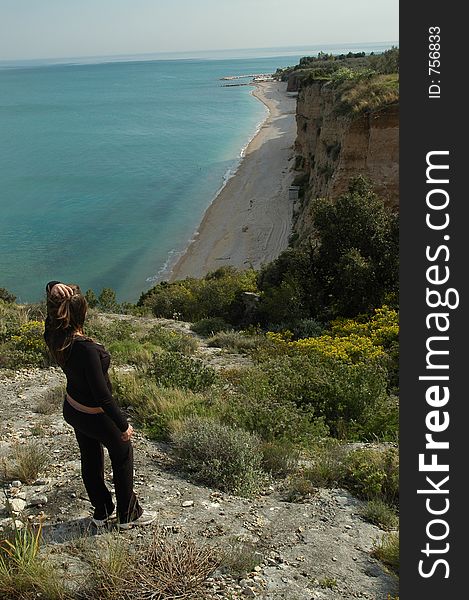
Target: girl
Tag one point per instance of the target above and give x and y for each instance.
(90, 408)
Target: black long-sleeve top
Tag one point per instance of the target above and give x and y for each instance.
(86, 369)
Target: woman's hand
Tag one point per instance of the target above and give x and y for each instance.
(61, 291)
(126, 435)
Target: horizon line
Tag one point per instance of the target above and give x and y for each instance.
(176, 52)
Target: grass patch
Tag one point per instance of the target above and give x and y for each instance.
(172, 341)
(327, 468)
(161, 568)
(381, 514)
(51, 401)
(279, 458)
(25, 462)
(328, 583)
(23, 573)
(299, 489)
(368, 94)
(236, 341)
(158, 410)
(240, 558)
(387, 550)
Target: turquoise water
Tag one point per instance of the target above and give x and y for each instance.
(107, 168)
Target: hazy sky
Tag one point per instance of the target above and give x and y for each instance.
(70, 28)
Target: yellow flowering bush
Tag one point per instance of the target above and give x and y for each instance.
(352, 348)
(382, 328)
(280, 337)
(30, 337)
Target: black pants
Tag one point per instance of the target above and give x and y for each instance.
(93, 431)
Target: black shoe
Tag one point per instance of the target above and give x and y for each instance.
(100, 518)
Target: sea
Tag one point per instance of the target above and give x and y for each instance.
(107, 164)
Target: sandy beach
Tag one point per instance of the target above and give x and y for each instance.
(249, 222)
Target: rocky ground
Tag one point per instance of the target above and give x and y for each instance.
(317, 548)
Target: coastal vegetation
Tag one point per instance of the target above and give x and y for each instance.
(361, 83)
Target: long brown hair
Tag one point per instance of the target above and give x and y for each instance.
(66, 317)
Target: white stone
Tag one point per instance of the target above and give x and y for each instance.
(188, 503)
(16, 504)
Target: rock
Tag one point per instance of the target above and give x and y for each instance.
(41, 482)
(17, 483)
(16, 505)
(373, 571)
(187, 503)
(11, 524)
(249, 592)
(38, 500)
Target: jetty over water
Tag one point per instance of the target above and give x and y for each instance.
(253, 76)
(254, 79)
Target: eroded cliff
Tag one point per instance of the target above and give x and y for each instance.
(334, 145)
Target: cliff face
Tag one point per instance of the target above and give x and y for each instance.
(334, 148)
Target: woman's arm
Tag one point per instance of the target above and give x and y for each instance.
(94, 376)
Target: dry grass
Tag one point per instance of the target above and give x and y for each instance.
(24, 462)
(240, 558)
(51, 401)
(370, 94)
(159, 569)
(387, 550)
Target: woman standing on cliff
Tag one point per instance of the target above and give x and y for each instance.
(90, 408)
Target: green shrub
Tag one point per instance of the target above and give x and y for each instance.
(106, 332)
(23, 341)
(218, 294)
(107, 301)
(274, 419)
(171, 341)
(279, 458)
(173, 369)
(306, 328)
(6, 296)
(254, 406)
(11, 318)
(210, 326)
(217, 455)
(350, 398)
(351, 268)
(374, 474)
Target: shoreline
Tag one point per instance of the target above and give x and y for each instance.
(248, 223)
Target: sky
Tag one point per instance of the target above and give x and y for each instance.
(32, 29)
